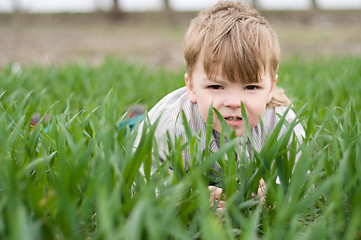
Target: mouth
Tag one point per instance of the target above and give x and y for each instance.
(233, 118)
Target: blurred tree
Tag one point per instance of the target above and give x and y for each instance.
(254, 3)
(166, 5)
(116, 8)
(116, 11)
(314, 4)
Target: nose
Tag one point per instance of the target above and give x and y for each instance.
(233, 99)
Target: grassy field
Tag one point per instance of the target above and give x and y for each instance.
(76, 176)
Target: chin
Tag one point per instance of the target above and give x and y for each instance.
(240, 133)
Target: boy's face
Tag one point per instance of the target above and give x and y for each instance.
(227, 97)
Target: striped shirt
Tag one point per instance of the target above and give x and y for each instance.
(169, 111)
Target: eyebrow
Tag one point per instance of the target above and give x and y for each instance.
(221, 81)
(216, 80)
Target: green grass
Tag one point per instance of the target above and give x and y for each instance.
(80, 180)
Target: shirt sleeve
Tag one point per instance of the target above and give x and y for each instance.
(297, 130)
(290, 117)
(160, 137)
(167, 110)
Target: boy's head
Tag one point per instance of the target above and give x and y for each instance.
(235, 36)
(230, 51)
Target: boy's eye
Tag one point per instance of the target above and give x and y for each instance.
(215, 87)
(251, 87)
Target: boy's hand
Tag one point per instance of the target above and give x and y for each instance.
(216, 197)
(261, 193)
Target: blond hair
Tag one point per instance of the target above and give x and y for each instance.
(237, 37)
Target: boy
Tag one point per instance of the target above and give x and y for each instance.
(232, 56)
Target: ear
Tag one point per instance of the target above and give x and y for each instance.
(190, 89)
(272, 88)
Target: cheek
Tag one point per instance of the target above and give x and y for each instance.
(204, 103)
(203, 107)
(255, 108)
(208, 100)
(204, 100)
(259, 108)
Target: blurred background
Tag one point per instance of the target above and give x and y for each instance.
(151, 31)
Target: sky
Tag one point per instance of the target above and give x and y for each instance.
(154, 5)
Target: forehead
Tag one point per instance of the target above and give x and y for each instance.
(217, 72)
